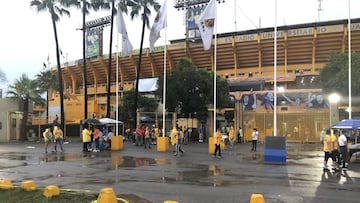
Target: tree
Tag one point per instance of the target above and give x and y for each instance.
(25, 91)
(196, 92)
(86, 6)
(334, 76)
(46, 81)
(55, 8)
(136, 7)
(125, 108)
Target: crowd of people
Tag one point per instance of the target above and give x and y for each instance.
(335, 148)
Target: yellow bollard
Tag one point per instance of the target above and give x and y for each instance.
(107, 195)
(51, 190)
(211, 145)
(170, 201)
(117, 143)
(28, 185)
(162, 144)
(257, 198)
(6, 184)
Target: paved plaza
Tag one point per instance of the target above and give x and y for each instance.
(194, 177)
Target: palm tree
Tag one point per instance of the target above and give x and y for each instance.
(55, 8)
(138, 6)
(25, 91)
(46, 81)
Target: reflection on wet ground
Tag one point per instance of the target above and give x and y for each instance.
(161, 173)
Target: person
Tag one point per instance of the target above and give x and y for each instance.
(335, 153)
(147, 138)
(138, 135)
(240, 135)
(322, 135)
(58, 136)
(157, 134)
(179, 136)
(173, 138)
(56, 120)
(96, 137)
(47, 138)
(104, 137)
(201, 134)
(110, 135)
(86, 138)
(186, 136)
(217, 142)
(328, 148)
(254, 138)
(343, 149)
(232, 136)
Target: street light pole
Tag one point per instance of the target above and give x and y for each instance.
(334, 98)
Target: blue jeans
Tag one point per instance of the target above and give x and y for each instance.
(59, 142)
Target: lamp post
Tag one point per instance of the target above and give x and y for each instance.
(334, 98)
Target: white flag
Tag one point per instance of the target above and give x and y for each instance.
(126, 47)
(159, 24)
(206, 24)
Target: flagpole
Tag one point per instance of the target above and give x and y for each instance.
(215, 47)
(349, 59)
(275, 70)
(117, 83)
(164, 82)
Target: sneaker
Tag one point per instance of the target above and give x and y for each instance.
(219, 157)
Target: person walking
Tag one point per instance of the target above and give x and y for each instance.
(217, 141)
(47, 138)
(179, 136)
(335, 153)
(147, 138)
(254, 137)
(328, 148)
(343, 149)
(232, 137)
(58, 136)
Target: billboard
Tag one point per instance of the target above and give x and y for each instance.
(93, 38)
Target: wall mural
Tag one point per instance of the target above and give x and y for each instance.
(296, 100)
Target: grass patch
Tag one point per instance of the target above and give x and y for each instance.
(19, 195)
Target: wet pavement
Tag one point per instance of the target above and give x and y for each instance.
(194, 177)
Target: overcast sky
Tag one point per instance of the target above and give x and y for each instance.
(27, 37)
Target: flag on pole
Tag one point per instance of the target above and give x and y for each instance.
(159, 24)
(126, 47)
(206, 24)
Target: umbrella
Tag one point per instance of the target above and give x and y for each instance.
(105, 121)
(347, 124)
(92, 121)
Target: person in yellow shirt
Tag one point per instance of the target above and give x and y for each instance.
(232, 137)
(328, 148)
(173, 138)
(217, 141)
(58, 135)
(86, 138)
(47, 138)
(147, 138)
(335, 153)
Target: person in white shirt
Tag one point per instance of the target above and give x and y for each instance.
(254, 136)
(343, 148)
